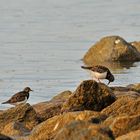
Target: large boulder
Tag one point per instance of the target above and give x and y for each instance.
(82, 130)
(19, 120)
(121, 125)
(89, 95)
(124, 105)
(48, 109)
(123, 116)
(49, 128)
(110, 49)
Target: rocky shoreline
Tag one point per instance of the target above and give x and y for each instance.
(93, 111)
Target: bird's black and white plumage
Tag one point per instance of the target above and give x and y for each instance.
(100, 72)
(20, 97)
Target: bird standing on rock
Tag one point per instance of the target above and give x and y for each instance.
(19, 98)
(100, 72)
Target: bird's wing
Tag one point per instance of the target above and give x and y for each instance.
(17, 97)
(100, 69)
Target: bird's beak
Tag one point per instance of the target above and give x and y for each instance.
(31, 90)
(108, 83)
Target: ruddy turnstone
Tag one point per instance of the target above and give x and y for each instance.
(19, 98)
(100, 72)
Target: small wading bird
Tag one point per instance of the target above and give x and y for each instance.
(100, 72)
(19, 98)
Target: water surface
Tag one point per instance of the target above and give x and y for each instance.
(42, 42)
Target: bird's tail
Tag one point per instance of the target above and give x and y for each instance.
(84, 67)
(5, 102)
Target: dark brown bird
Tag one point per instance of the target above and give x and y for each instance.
(19, 98)
(100, 72)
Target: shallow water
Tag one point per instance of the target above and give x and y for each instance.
(42, 43)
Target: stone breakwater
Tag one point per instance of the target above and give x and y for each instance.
(92, 111)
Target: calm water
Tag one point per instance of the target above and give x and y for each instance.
(42, 42)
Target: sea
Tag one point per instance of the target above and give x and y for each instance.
(42, 43)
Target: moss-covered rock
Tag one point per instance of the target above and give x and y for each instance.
(89, 95)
